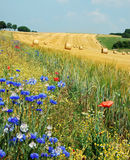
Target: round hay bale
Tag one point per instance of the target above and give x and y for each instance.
(123, 53)
(68, 46)
(80, 48)
(45, 43)
(128, 53)
(115, 52)
(35, 41)
(104, 50)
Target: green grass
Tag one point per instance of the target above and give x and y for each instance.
(109, 41)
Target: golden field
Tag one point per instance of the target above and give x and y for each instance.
(83, 45)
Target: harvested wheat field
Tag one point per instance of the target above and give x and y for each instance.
(82, 45)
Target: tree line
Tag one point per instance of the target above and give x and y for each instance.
(121, 45)
(4, 25)
(125, 34)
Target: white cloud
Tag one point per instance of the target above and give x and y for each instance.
(111, 2)
(71, 14)
(98, 17)
(123, 20)
(62, 1)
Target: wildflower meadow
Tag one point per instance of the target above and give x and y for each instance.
(57, 106)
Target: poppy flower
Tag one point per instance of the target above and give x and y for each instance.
(106, 104)
(8, 67)
(56, 73)
(17, 47)
(56, 79)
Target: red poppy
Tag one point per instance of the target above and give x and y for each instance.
(56, 79)
(73, 150)
(8, 67)
(17, 47)
(56, 73)
(106, 104)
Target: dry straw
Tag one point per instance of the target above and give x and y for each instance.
(68, 46)
(104, 50)
(35, 41)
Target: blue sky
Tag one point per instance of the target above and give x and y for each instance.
(76, 16)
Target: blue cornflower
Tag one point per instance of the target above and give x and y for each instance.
(2, 154)
(13, 120)
(11, 78)
(61, 84)
(50, 149)
(36, 97)
(39, 102)
(2, 103)
(63, 148)
(37, 52)
(0, 99)
(23, 138)
(51, 88)
(43, 79)
(44, 155)
(34, 155)
(30, 99)
(41, 140)
(14, 139)
(52, 101)
(2, 90)
(25, 92)
(67, 154)
(42, 95)
(39, 109)
(9, 82)
(14, 102)
(2, 79)
(9, 110)
(8, 128)
(44, 136)
(17, 70)
(33, 136)
(53, 140)
(58, 151)
(17, 84)
(32, 81)
(14, 97)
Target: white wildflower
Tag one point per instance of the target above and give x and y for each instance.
(32, 145)
(19, 135)
(49, 127)
(24, 127)
(49, 133)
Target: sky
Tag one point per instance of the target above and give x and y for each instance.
(73, 16)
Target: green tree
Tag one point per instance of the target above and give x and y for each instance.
(127, 31)
(14, 26)
(2, 25)
(9, 25)
(126, 34)
(23, 29)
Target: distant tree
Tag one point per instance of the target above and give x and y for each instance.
(118, 34)
(126, 35)
(34, 31)
(127, 31)
(14, 26)
(9, 25)
(2, 25)
(121, 44)
(23, 29)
